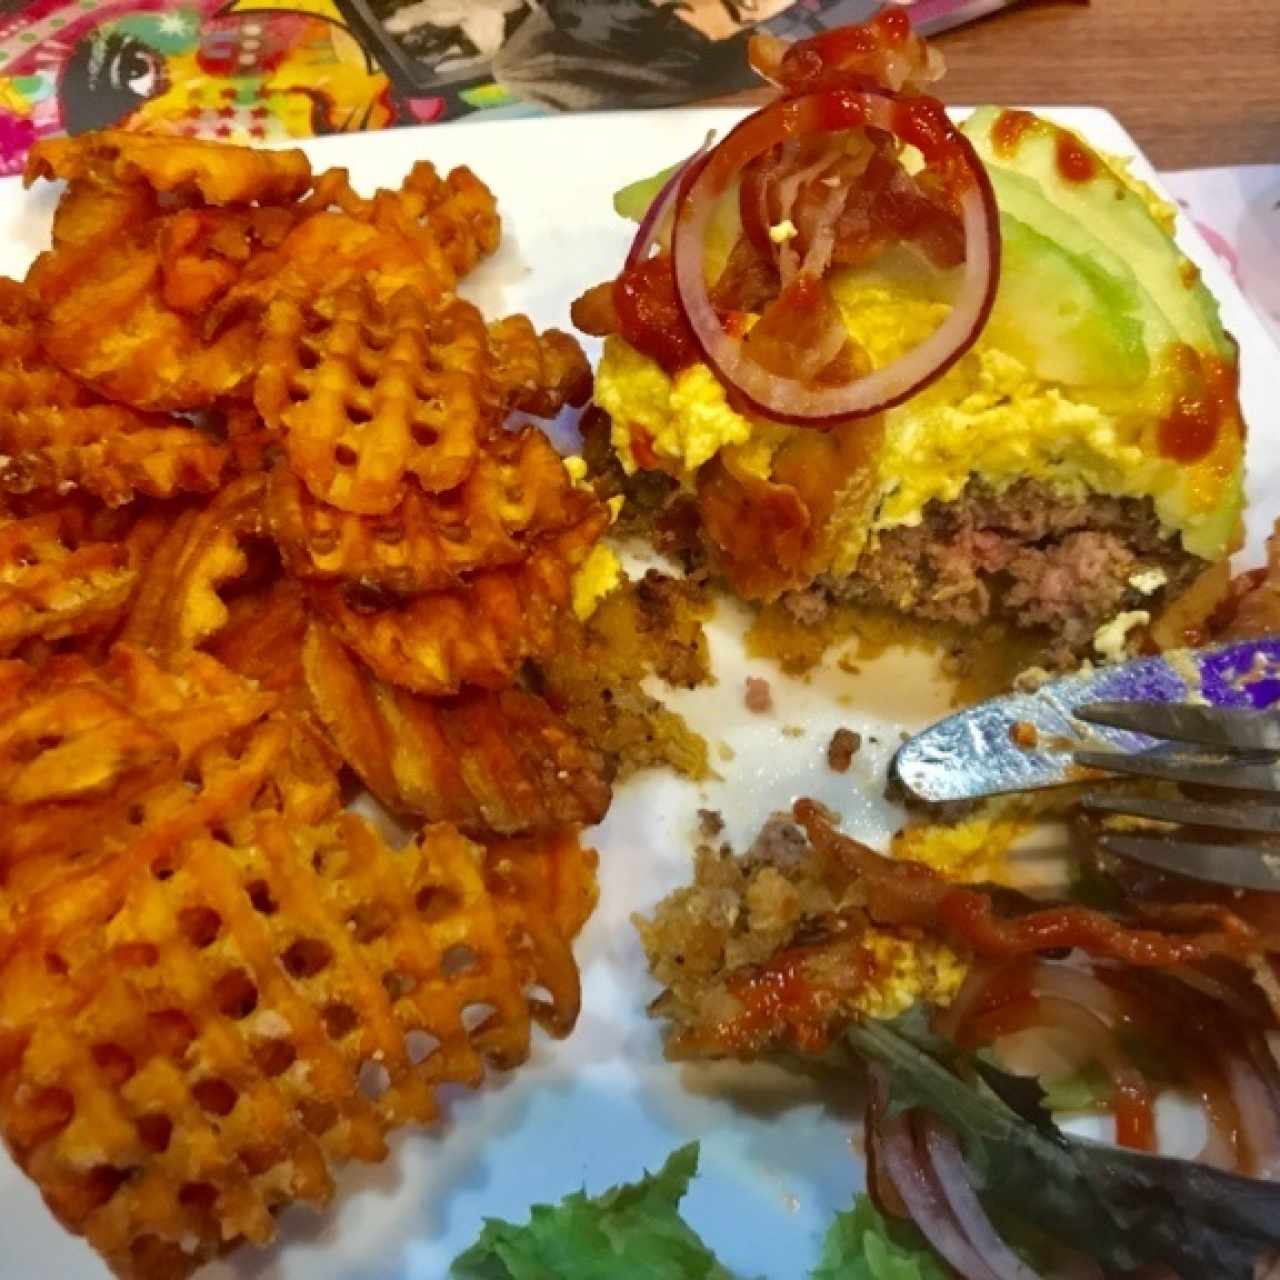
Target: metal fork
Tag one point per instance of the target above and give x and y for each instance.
(1228, 750)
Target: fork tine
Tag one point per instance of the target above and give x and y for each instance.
(1234, 865)
(1210, 771)
(1242, 729)
(1260, 817)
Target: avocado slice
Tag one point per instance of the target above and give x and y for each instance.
(1063, 315)
(1082, 185)
(1022, 198)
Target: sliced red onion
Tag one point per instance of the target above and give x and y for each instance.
(660, 207)
(1092, 1032)
(1080, 987)
(1217, 990)
(795, 400)
(1221, 1145)
(952, 1173)
(1259, 1123)
(929, 1208)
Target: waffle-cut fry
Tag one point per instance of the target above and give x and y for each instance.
(362, 399)
(55, 434)
(89, 218)
(486, 762)
(87, 753)
(204, 251)
(517, 491)
(251, 444)
(217, 173)
(457, 212)
(544, 888)
(103, 450)
(177, 606)
(477, 634)
(53, 586)
(453, 220)
(423, 236)
(258, 1016)
(263, 634)
(540, 373)
(107, 323)
(118, 290)
(325, 252)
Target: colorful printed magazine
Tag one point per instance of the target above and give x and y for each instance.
(245, 70)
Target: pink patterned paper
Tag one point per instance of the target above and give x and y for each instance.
(1238, 213)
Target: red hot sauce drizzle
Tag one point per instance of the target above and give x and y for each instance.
(1076, 163)
(1205, 402)
(1009, 130)
(650, 315)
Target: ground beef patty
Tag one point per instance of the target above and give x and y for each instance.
(1027, 555)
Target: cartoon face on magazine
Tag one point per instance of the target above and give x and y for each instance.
(242, 72)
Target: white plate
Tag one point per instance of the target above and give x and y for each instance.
(777, 1157)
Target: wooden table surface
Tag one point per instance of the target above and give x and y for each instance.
(1197, 82)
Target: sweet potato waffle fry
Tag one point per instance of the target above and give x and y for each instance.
(110, 326)
(253, 1017)
(84, 750)
(544, 889)
(235, 403)
(539, 373)
(477, 634)
(218, 175)
(178, 606)
(52, 586)
(55, 434)
(362, 402)
(486, 762)
(518, 490)
(452, 221)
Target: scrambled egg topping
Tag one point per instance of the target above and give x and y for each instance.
(902, 972)
(974, 847)
(990, 416)
(682, 422)
(599, 574)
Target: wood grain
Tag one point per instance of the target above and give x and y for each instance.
(1197, 82)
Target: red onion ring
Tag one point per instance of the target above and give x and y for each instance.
(789, 399)
(952, 1172)
(661, 205)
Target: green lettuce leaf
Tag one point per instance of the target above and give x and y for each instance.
(633, 200)
(633, 1230)
(863, 1245)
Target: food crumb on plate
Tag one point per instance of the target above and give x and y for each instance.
(1022, 733)
(710, 822)
(757, 695)
(844, 745)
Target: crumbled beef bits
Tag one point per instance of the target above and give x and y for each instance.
(758, 695)
(710, 823)
(844, 745)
